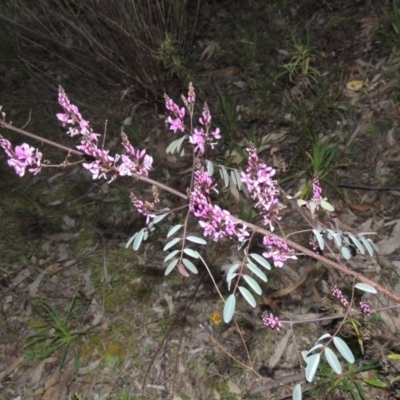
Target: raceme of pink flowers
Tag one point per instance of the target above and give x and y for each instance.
(215, 222)
(262, 188)
(133, 162)
(22, 157)
(271, 322)
(336, 292)
(200, 136)
(278, 250)
(365, 308)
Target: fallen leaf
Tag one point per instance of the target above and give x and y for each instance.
(279, 350)
(20, 277)
(355, 85)
(36, 375)
(11, 368)
(362, 207)
(233, 388)
(86, 370)
(170, 303)
(389, 245)
(34, 286)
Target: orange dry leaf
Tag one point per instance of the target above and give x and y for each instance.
(362, 207)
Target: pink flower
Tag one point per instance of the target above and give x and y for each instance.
(176, 124)
(271, 322)
(336, 292)
(23, 157)
(262, 188)
(278, 250)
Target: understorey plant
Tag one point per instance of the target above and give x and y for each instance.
(197, 136)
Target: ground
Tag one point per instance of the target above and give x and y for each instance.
(315, 87)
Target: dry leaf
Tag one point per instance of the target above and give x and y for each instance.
(20, 277)
(389, 245)
(279, 350)
(233, 388)
(170, 303)
(11, 368)
(355, 85)
(34, 286)
(36, 375)
(86, 370)
(362, 207)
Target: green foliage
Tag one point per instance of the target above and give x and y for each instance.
(54, 332)
(322, 159)
(392, 28)
(301, 61)
(126, 38)
(322, 164)
(229, 116)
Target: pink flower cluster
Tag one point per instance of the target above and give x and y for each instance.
(215, 222)
(133, 162)
(317, 195)
(365, 308)
(262, 188)
(317, 190)
(278, 250)
(336, 292)
(22, 157)
(199, 137)
(271, 322)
